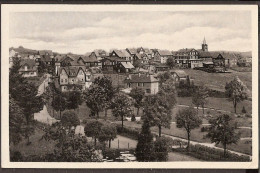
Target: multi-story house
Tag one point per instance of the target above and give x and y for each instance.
(28, 68)
(72, 78)
(188, 58)
(144, 81)
(116, 65)
(161, 56)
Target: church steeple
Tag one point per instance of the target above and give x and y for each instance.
(204, 45)
(204, 41)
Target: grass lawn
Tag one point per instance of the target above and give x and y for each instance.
(175, 156)
(219, 103)
(223, 104)
(244, 146)
(37, 146)
(196, 134)
(124, 142)
(217, 81)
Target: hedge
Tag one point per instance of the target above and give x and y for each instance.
(130, 133)
(211, 154)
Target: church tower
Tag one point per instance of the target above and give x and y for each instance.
(204, 45)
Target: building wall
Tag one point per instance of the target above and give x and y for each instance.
(64, 79)
(29, 74)
(149, 88)
(164, 59)
(81, 76)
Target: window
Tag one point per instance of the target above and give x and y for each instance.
(65, 80)
(148, 91)
(138, 84)
(61, 80)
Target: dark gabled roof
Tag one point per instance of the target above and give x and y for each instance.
(30, 63)
(186, 50)
(132, 50)
(72, 71)
(121, 53)
(114, 59)
(164, 52)
(180, 73)
(203, 54)
(89, 59)
(141, 78)
(46, 58)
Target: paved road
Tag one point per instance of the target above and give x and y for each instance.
(43, 85)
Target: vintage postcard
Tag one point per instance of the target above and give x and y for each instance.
(108, 86)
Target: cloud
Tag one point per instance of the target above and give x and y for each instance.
(80, 32)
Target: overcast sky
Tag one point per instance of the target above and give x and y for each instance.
(81, 32)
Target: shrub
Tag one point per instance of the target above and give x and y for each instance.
(130, 133)
(133, 118)
(244, 110)
(16, 156)
(211, 154)
(204, 129)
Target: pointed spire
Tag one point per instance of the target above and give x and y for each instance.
(204, 41)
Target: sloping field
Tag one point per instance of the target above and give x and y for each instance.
(217, 81)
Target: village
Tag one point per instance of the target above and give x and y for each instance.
(90, 92)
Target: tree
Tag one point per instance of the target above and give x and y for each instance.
(59, 103)
(162, 146)
(163, 77)
(222, 130)
(74, 99)
(199, 98)
(69, 119)
(137, 94)
(108, 133)
(159, 113)
(108, 91)
(170, 62)
(121, 106)
(95, 99)
(243, 110)
(188, 119)
(145, 147)
(69, 147)
(93, 129)
(27, 98)
(236, 91)
(16, 122)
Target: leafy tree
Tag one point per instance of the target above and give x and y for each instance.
(69, 119)
(222, 130)
(244, 110)
(93, 129)
(69, 147)
(59, 103)
(42, 68)
(28, 100)
(159, 113)
(163, 77)
(74, 99)
(137, 94)
(145, 147)
(121, 106)
(108, 91)
(170, 62)
(199, 98)
(236, 91)
(196, 100)
(95, 99)
(108, 133)
(16, 122)
(162, 146)
(188, 119)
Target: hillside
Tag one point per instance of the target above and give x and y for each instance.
(217, 81)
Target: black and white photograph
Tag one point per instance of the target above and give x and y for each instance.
(94, 85)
